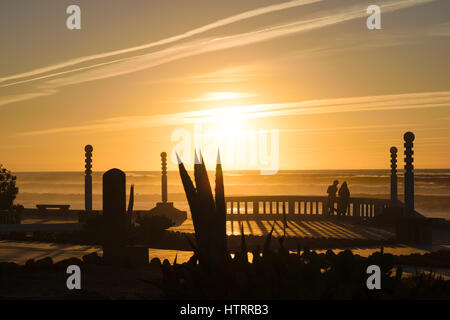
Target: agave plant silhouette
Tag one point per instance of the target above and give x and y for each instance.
(208, 213)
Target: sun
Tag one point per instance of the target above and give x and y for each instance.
(231, 123)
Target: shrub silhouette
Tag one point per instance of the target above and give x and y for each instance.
(8, 189)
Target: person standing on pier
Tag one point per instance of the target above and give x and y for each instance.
(344, 198)
(332, 190)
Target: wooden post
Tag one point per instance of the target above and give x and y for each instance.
(114, 216)
(255, 207)
(291, 208)
(409, 173)
(356, 209)
(394, 192)
(88, 178)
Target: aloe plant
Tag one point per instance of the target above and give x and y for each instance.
(208, 212)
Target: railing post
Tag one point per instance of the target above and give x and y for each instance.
(409, 174)
(394, 192)
(255, 207)
(291, 207)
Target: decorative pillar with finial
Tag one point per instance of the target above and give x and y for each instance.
(394, 192)
(164, 177)
(409, 174)
(88, 178)
(165, 208)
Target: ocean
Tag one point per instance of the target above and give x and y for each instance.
(432, 187)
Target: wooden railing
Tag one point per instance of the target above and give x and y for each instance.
(297, 207)
(8, 217)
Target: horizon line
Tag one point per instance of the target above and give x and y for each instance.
(399, 170)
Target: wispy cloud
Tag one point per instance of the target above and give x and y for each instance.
(227, 75)
(206, 45)
(53, 77)
(219, 23)
(24, 96)
(220, 96)
(179, 51)
(324, 106)
(224, 75)
(440, 30)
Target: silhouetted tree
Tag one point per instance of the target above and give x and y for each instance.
(8, 189)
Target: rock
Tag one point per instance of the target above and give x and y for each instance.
(92, 258)
(166, 263)
(155, 262)
(29, 266)
(46, 262)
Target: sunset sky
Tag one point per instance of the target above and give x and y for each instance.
(141, 74)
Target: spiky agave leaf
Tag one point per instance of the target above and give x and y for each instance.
(188, 186)
(204, 212)
(268, 239)
(131, 200)
(244, 250)
(284, 220)
(193, 246)
(221, 209)
(205, 186)
(206, 199)
(130, 218)
(191, 194)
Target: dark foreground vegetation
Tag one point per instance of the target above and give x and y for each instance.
(306, 275)
(273, 274)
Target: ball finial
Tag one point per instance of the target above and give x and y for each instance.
(88, 148)
(163, 155)
(394, 150)
(409, 136)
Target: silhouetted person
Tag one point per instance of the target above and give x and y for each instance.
(332, 197)
(344, 198)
